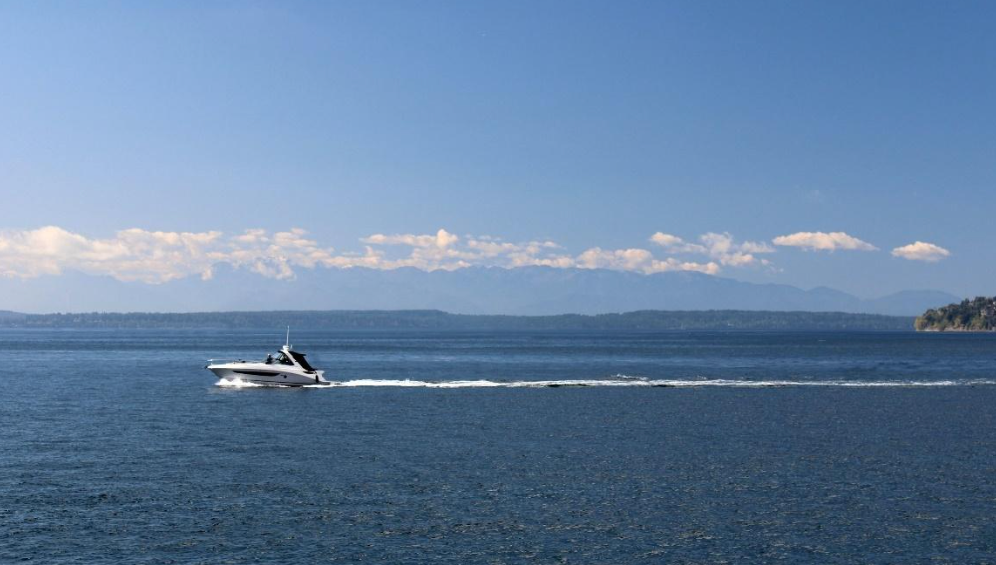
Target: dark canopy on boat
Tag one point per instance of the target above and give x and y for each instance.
(299, 357)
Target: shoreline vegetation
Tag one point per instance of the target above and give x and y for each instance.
(643, 320)
(976, 315)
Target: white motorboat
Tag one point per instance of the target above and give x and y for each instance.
(286, 368)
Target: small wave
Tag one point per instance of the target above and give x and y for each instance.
(622, 377)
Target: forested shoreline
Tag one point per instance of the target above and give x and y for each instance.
(975, 315)
(645, 320)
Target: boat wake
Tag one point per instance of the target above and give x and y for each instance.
(236, 383)
(623, 381)
(660, 383)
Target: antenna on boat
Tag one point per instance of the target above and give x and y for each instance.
(287, 342)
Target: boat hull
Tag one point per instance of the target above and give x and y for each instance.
(266, 375)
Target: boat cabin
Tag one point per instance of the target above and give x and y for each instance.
(288, 357)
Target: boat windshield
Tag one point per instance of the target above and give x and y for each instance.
(283, 359)
(299, 357)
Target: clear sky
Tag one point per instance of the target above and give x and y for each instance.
(586, 124)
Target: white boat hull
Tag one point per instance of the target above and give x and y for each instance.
(267, 374)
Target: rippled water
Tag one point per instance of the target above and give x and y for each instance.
(501, 448)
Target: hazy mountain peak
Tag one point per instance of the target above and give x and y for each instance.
(475, 290)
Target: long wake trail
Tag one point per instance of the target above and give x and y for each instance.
(623, 381)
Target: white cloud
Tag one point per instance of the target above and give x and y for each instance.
(674, 244)
(619, 259)
(441, 240)
(447, 251)
(639, 260)
(155, 256)
(921, 251)
(820, 241)
(719, 247)
(756, 247)
(672, 264)
(666, 239)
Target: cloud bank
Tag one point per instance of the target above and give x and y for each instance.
(921, 251)
(720, 247)
(639, 260)
(157, 257)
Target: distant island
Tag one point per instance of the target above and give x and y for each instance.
(975, 315)
(644, 320)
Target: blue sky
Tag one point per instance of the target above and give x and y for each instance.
(590, 125)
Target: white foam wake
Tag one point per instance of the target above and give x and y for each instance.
(640, 382)
(236, 383)
(622, 381)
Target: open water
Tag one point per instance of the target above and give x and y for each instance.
(685, 447)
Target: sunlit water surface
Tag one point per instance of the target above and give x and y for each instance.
(117, 446)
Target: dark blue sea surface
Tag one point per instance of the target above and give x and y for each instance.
(686, 447)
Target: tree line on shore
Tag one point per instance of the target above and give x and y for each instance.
(977, 314)
(645, 320)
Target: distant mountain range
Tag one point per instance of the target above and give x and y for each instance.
(476, 290)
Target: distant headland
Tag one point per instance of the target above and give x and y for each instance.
(976, 315)
(644, 320)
